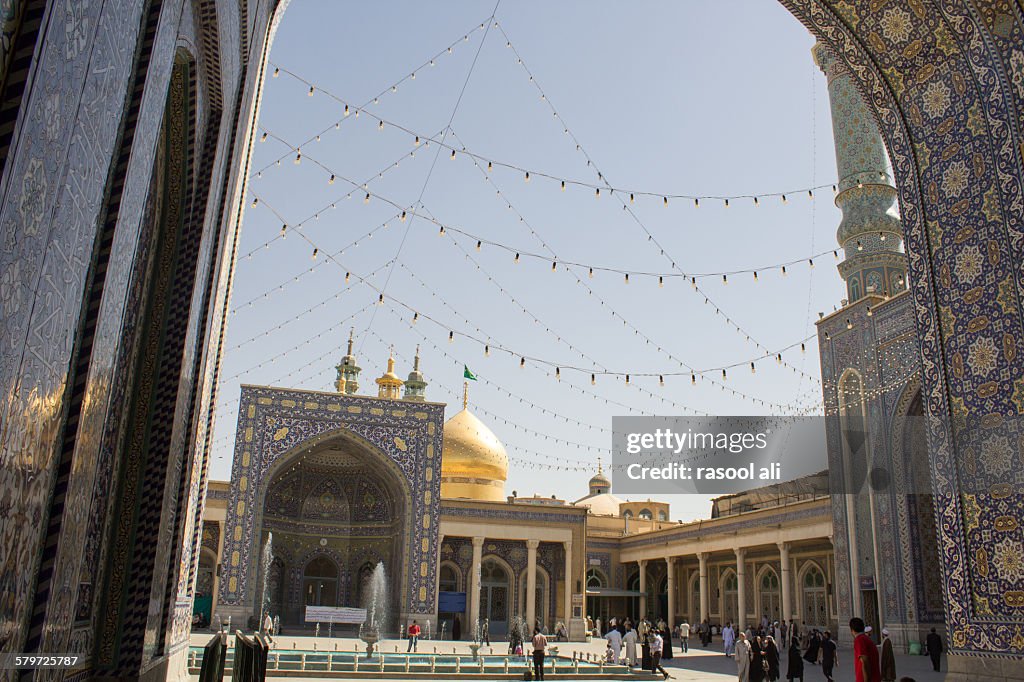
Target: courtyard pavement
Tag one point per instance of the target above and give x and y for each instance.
(698, 665)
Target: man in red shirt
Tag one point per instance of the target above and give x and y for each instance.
(866, 667)
(414, 636)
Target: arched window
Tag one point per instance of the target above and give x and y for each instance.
(646, 514)
(448, 579)
(595, 578)
(628, 514)
(662, 516)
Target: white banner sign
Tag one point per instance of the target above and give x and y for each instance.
(335, 614)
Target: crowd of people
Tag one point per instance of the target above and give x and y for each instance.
(761, 650)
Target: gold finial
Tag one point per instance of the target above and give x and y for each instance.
(351, 338)
(416, 359)
(391, 359)
(599, 469)
(465, 394)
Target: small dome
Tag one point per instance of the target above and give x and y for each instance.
(474, 463)
(599, 484)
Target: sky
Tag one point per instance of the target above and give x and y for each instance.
(680, 98)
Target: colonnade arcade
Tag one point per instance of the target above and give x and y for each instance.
(783, 581)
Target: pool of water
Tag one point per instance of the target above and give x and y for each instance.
(421, 663)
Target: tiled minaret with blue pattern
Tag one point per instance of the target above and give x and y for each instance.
(870, 232)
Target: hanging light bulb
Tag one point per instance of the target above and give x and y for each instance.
(725, 279)
(451, 336)
(254, 202)
(554, 265)
(696, 202)
(563, 185)
(590, 273)
(490, 166)
(311, 90)
(330, 180)
(727, 203)
(834, 189)
(347, 276)
(881, 236)
(558, 373)
(752, 369)
(478, 243)
(778, 358)
(597, 192)
(755, 275)
(870, 312)
(860, 247)
(803, 348)
(783, 270)
(284, 230)
(664, 201)
(298, 158)
(661, 380)
(593, 379)
(277, 72)
(849, 323)
(366, 199)
(315, 252)
(526, 178)
(784, 200)
(380, 299)
(487, 351)
(693, 282)
(416, 142)
(835, 254)
(522, 362)
(440, 232)
(516, 259)
(810, 194)
(693, 379)
(627, 278)
(661, 281)
(415, 317)
(810, 262)
(724, 375)
(263, 137)
(827, 337)
(627, 379)
(756, 202)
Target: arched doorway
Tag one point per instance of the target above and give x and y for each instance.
(769, 599)
(813, 596)
(495, 595)
(730, 597)
(320, 582)
(202, 604)
(694, 593)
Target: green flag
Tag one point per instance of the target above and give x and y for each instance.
(467, 374)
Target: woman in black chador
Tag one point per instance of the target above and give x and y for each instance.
(795, 670)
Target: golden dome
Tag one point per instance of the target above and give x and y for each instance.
(474, 463)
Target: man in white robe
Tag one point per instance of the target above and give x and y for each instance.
(743, 655)
(614, 638)
(630, 641)
(728, 639)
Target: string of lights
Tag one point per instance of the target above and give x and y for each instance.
(626, 206)
(557, 366)
(528, 174)
(393, 88)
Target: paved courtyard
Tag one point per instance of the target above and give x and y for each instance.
(698, 664)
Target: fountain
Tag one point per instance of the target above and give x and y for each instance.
(376, 610)
(267, 559)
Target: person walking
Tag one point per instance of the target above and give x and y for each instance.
(865, 654)
(888, 658)
(728, 639)
(630, 642)
(657, 644)
(705, 633)
(743, 656)
(813, 647)
(795, 668)
(829, 655)
(540, 643)
(933, 644)
(684, 635)
(758, 664)
(414, 636)
(771, 655)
